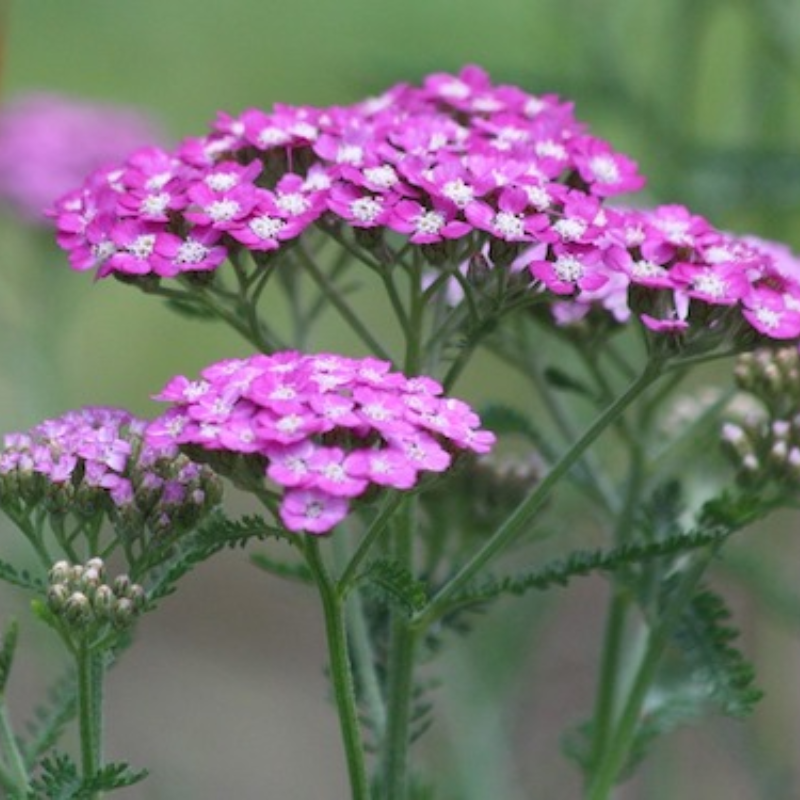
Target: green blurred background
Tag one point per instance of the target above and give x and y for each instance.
(224, 695)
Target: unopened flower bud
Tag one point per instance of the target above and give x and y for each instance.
(103, 601)
(136, 594)
(60, 572)
(78, 609)
(90, 579)
(98, 564)
(121, 585)
(123, 613)
(57, 596)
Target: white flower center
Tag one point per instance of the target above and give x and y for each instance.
(431, 222)
(365, 209)
(334, 472)
(155, 203)
(290, 423)
(508, 225)
(293, 203)
(191, 252)
(768, 318)
(223, 210)
(538, 197)
(155, 183)
(195, 389)
(142, 246)
(349, 154)
(570, 230)
(568, 268)
(604, 169)
(383, 176)
(266, 227)
(103, 250)
(221, 181)
(647, 269)
(459, 192)
(551, 149)
(271, 137)
(711, 285)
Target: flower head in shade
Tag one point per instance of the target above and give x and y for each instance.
(93, 463)
(324, 429)
(49, 143)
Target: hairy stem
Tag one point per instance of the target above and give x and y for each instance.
(340, 669)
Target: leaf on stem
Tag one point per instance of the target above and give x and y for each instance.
(21, 578)
(396, 585)
(8, 647)
(50, 718)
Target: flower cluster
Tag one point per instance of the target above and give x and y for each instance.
(49, 143)
(513, 175)
(81, 595)
(324, 428)
(94, 461)
(765, 440)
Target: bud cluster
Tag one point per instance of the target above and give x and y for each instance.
(82, 596)
(765, 441)
(95, 463)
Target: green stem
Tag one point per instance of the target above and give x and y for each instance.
(14, 776)
(614, 637)
(617, 745)
(90, 666)
(400, 679)
(338, 302)
(525, 511)
(375, 531)
(340, 669)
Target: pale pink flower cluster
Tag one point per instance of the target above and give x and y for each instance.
(94, 460)
(455, 159)
(327, 428)
(50, 142)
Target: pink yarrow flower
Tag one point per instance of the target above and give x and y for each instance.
(326, 427)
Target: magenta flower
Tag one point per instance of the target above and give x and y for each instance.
(94, 462)
(325, 428)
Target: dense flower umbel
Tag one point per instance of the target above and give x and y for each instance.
(48, 144)
(455, 159)
(325, 428)
(94, 461)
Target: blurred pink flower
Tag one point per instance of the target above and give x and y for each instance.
(50, 142)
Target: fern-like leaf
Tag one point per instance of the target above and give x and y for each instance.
(584, 562)
(707, 642)
(217, 533)
(21, 578)
(58, 780)
(110, 777)
(50, 719)
(395, 584)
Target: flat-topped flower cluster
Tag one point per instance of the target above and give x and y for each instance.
(326, 428)
(95, 461)
(457, 159)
